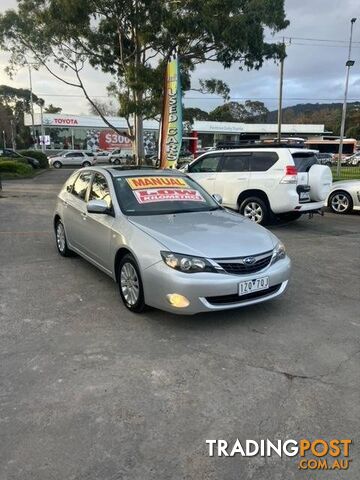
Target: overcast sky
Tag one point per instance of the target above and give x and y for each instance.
(314, 69)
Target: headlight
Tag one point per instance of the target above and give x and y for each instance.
(187, 263)
(279, 252)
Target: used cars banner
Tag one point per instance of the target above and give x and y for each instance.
(171, 120)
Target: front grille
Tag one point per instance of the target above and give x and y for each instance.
(228, 299)
(241, 268)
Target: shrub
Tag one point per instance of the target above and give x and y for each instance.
(38, 155)
(8, 165)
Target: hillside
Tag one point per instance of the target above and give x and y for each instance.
(328, 114)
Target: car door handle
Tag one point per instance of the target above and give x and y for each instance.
(209, 178)
(84, 215)
(65, 204)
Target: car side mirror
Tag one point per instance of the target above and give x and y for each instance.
(97, 206)
(217, 198)
(185, 168)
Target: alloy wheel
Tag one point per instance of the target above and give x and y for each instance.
(340, 203)
(254, 212)
(129, 284)
(60, 237)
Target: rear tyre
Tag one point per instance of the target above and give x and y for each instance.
(86, 164)
(130, 284)
(57, 164)
(61, 242)
(255, 209)
(116, 161)
(340, 202)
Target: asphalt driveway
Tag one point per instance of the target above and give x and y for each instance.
(91, 391)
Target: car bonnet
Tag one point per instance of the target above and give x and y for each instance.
(217, 234)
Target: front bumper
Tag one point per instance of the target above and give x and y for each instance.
(204, 290)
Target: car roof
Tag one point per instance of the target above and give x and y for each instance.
(256, 149)
(134, 170)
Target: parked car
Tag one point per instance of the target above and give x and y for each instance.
(102, 155)
(354, 160)
(263, 182)
(73, 158)
(167, 242)
(344, 159)
(10, 153)
(326, 159)
(344, 196)
(120, 156)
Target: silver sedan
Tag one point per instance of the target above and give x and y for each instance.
(167, 242)
(344, 196)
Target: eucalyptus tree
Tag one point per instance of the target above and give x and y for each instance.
(132, 40)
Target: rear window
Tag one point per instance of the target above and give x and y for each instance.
(304, 160)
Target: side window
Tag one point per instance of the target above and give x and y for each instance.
(100, 189)
(68, 186)
(81, 185)
(236, 162)
(68, 155)
(77, 154)
(207, 164)
(262, 161)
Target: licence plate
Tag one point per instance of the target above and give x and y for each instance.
(249, 286)
(304, 196)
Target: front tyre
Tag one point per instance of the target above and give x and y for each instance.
(116, 161)
(130, 284)
(86, 164)
(61, 242)
(340, 202)
(255, 209)
(57, 164)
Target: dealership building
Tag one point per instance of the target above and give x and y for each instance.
(90, 132)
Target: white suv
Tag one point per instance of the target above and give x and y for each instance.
(263, 182)
(120, 156)
(73, 158)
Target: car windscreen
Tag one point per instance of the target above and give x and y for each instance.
(160, 195)
(304, 160)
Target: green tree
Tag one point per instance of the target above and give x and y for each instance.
(132, 40)
(257, 112)
(14, 103)
(52, 109)
(229, 112)
(249, 112)
(190, 114)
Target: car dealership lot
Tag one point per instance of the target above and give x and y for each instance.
(90, 390)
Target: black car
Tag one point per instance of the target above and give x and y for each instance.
(9, 153)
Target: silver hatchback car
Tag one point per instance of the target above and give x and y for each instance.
(167, 242)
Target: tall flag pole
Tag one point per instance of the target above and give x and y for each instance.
(170, 138)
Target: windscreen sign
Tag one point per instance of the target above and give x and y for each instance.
(163, 189)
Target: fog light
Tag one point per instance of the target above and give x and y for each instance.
(178, 300)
